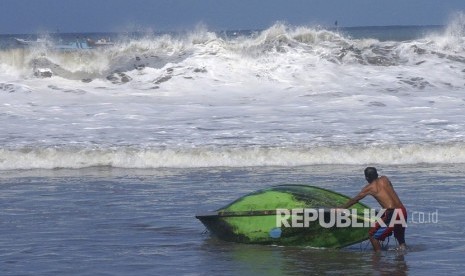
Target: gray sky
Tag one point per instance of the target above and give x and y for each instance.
(33, 16)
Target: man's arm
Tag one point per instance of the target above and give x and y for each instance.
(365, 191)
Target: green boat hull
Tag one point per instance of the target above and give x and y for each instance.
(253, 218)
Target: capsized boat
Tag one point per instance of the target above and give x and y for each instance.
(100, 42)
(38, 42)
(77, 45)
(254, 218)
(71, 46)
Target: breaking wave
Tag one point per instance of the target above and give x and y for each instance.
(284, 96)
(266, 52)
(52, 158)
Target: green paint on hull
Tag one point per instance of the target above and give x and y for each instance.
(264, 200)
(252, 218)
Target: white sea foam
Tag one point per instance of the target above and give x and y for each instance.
(50, 158)
(283, 96)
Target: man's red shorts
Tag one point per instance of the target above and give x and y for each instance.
(380, 232)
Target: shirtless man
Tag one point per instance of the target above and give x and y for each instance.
(381, 189)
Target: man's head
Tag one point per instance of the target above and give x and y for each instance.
(371, 174)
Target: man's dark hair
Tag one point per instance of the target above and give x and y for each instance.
(371, 174)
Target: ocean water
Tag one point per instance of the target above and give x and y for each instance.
(106, 154)
(108, 221)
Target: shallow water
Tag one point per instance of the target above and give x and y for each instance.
(106, 221)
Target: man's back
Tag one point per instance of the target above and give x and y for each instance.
(384, 193)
